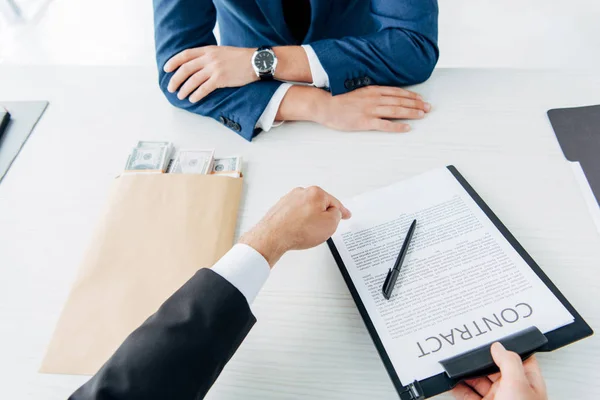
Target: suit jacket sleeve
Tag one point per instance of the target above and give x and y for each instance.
(179, 352)
(403, 52)
(185, 24)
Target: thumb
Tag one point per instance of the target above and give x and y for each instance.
(510, 364)
(346, 214)
(335, 214)
(333, 202)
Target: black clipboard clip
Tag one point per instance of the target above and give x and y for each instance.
(412, 391)
(479, 362)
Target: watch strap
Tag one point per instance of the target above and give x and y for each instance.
(266, 77)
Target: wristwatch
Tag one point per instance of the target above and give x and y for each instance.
(264, 62)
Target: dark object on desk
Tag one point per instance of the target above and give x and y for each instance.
(578, 133)
(24, 116)
(179, 351)
(392, 276)
(479, 361)
(4, 118)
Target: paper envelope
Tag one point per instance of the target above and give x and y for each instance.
(156, 232)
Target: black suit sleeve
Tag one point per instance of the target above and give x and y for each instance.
(178, 352)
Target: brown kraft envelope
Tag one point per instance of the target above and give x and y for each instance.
(156, 232)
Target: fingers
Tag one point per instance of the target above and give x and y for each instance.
(510, 364)
(534, 375)
(204, 90)
(332, 202)
(183, 73)
(395, 112)
(494, 377)
(327, 201)
(491, 395)
(335, 214)
(384, 125)
(181, 58)
(464, 392)
(397, 92)
(480, 385)
(404, 102)
(192, 84)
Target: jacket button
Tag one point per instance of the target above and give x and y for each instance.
(222, 120)
(236, 127)
(366, 81)
(349, 84)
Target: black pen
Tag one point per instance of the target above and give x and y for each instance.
(392, 276)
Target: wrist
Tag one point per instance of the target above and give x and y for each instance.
(320, 106)
(264, 243)
(292, 64)
(304, 103)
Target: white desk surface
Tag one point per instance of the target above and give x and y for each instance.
(310, 341)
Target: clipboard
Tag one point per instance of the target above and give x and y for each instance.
(478, 361)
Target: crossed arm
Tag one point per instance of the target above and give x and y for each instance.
(219, 82)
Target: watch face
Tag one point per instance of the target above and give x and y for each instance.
(264, 60)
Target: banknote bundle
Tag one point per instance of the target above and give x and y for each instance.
(228, 166)
(155, 157)
(150, 157)
(189, 161)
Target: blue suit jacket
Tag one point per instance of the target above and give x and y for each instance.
(358, 42)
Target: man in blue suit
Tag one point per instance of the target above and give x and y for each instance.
(359, 51)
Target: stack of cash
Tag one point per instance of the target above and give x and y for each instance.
(189, 161)
(156, 157)
(228, 166)
(149, 157)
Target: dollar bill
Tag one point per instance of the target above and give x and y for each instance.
(149, 157)
(193, 162)
(228, 166)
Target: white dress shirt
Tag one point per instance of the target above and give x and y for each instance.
(320, 79)
(245, 268)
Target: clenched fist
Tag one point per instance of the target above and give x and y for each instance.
(302, 219)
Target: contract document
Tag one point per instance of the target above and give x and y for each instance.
(462, 284)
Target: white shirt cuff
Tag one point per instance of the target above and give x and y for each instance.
(245, 268)
(267, 118)
(320, 78)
